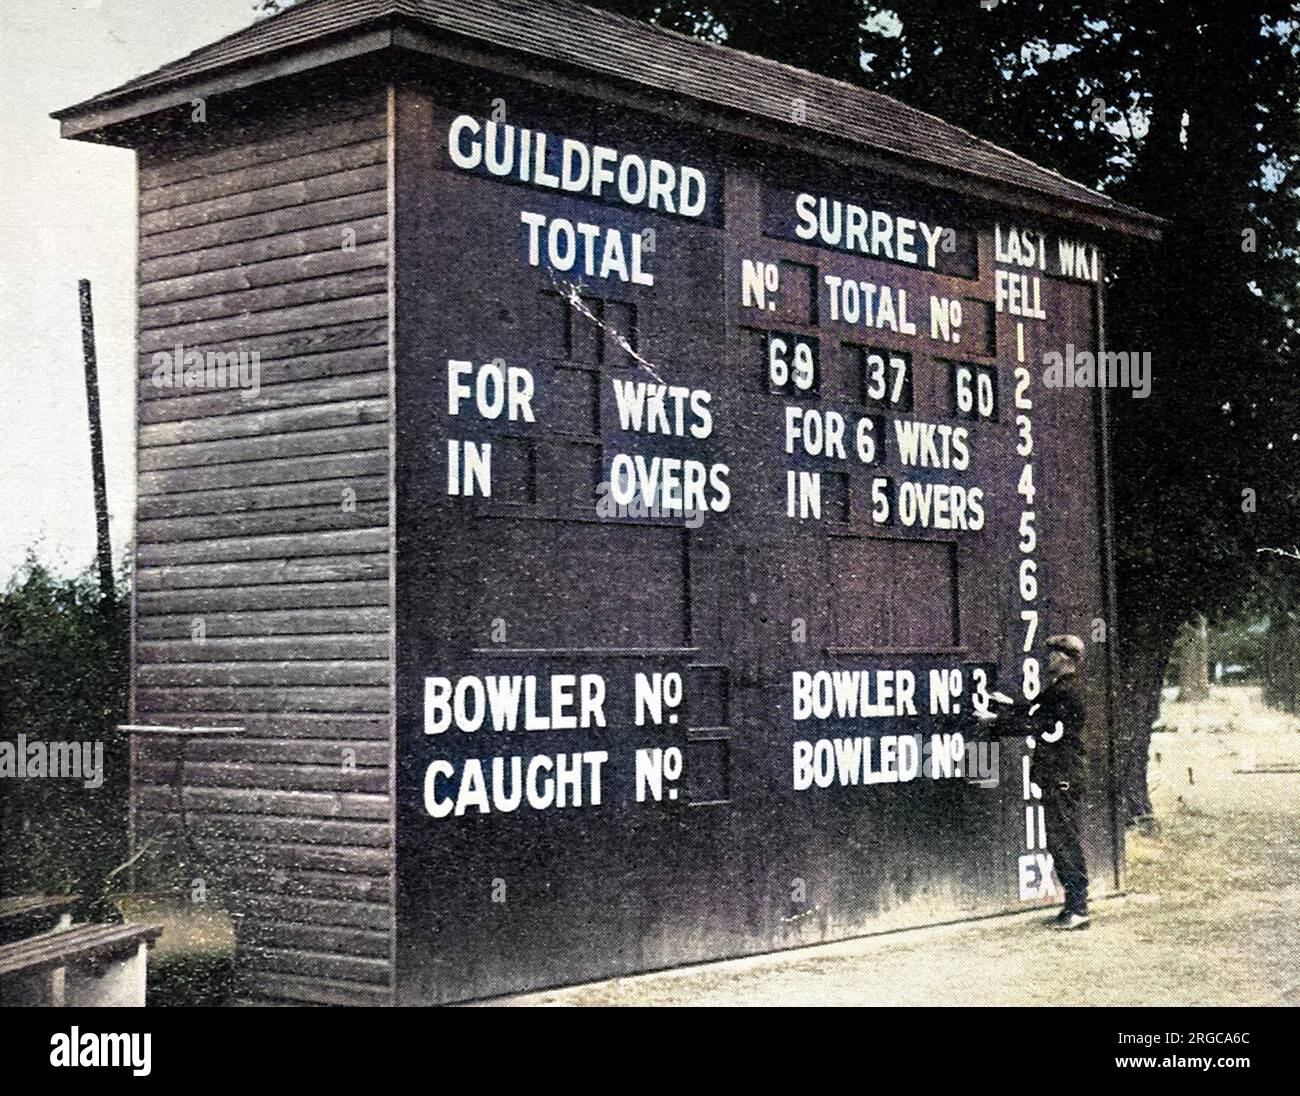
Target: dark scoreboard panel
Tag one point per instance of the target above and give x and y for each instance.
(727, 491)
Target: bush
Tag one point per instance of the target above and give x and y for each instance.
(64, 677)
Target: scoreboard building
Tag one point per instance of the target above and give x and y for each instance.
(603, 476)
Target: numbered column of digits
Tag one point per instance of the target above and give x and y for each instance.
(1027, 575)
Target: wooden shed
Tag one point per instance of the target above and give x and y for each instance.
(601, 472)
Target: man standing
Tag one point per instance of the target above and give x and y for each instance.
(1059, 766)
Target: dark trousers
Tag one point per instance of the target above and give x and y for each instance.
(1063, 811)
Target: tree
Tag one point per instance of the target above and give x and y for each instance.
(1202, 476)
(1192, 656)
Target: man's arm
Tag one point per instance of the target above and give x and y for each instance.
(1037, 717)
(1010, 718)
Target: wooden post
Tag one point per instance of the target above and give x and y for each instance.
(105, 548)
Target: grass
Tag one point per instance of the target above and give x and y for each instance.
(193, 963)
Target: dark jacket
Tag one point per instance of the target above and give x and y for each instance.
(1056, 759)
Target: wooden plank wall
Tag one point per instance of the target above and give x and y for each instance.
(263, 537)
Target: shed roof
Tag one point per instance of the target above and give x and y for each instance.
(573, 36)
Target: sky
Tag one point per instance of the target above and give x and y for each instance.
(67, 211)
